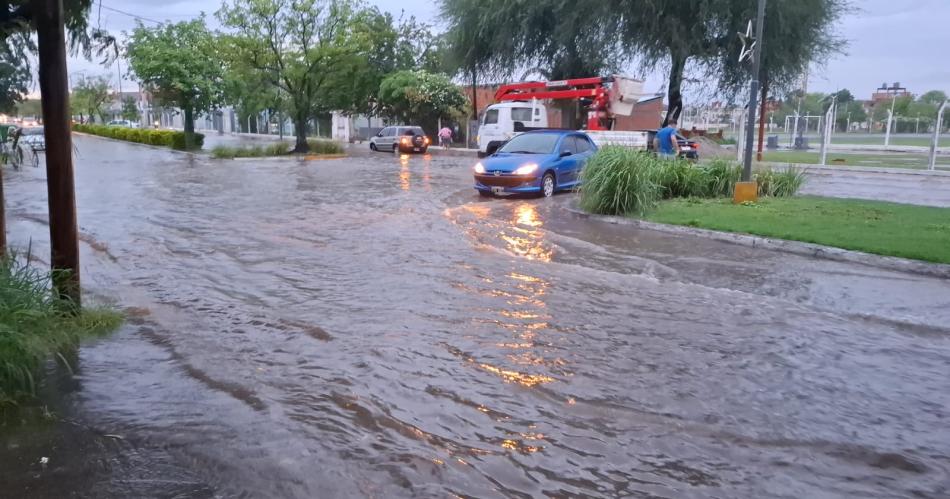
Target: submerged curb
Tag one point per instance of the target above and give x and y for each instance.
(783, 245)
(287, 157)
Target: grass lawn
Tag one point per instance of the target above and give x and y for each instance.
(888, 160)
(908, 231)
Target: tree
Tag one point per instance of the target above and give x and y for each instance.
(553, 38)
(89, 96)
(312, 50)
(935, 97)
(180, 64)
(419, 97)
(130, 111)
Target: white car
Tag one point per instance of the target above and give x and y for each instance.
(404, 139)
(123, 123)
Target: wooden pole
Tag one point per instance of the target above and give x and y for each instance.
(765, 94)
(64, 244)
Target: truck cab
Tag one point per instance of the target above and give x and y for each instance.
(501, 122)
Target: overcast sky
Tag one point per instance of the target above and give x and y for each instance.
(889, 41)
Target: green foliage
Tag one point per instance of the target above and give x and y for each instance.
(180, 64)
(321, 146)
(89, 96)
(418, 97)
(933, 97)
(902, 230)
(619, 180)
(130, 110)
(256, 151)
(35, 326)
(29, 107)
(623, 181)
(169, 138)
(782, 183)
(317, 52)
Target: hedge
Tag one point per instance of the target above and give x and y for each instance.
(170, 138)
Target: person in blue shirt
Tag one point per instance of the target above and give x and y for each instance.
(665, 143)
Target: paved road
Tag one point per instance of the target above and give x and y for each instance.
(369, 327)
(923, 189)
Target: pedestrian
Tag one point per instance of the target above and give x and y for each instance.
(445, 136)
(665, 143)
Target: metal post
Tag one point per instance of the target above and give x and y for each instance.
(936, 137)
(826, 132)
(753, 92)
(740, 137)
(64, 243)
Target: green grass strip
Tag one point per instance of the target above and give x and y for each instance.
(891, 229)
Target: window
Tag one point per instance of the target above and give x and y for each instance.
(581, 144)
(531, 143)
(491, 117)
(521, 114)
(568, 144)
(387, 132)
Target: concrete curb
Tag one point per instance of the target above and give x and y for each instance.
(794, 247)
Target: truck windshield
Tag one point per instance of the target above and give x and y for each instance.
(531, 143)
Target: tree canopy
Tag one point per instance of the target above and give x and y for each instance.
(421, 98)
(315, 52)
(180, 64)
(130, 110)
(88, 97)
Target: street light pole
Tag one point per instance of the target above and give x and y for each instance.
(753, 92)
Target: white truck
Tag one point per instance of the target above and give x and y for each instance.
(520, 110)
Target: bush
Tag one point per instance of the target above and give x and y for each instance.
(275, 149)
(323, 146)
(35, 325)
(623, 181)
(170, 138)
(780, 184)
(619, 181)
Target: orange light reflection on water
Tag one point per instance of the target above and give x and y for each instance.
(404, 175)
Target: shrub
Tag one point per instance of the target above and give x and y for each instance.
(619, 181)
(721, 177)
(681, 179)
(323, 146)
(141, 135)
(256, 151)
(178, 141)
(780, 184)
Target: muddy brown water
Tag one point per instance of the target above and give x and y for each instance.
(369, 327)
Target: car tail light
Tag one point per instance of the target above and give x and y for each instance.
(404, 140)
(427, 140)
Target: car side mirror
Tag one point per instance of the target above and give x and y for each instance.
(566, 153)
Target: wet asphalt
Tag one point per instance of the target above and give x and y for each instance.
(370, 327)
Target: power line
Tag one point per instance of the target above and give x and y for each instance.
(136, 16)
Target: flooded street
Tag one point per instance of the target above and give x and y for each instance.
(370, 327)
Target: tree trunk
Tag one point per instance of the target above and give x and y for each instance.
(765, 94)
(64, 243)
(300, 123)
(674, 90)
(189, 127)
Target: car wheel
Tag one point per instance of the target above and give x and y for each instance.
(372, 146)
(548, 185)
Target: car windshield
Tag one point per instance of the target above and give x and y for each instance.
(531, 143)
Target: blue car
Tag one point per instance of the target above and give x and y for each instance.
(537, 162)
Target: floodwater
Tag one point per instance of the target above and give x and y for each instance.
(369, 327)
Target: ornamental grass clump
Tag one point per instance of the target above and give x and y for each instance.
(620, 181)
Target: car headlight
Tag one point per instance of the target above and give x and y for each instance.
(479, 168)
(526, 169)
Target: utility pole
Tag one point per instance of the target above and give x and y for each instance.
(64, 243)
(936, 136)
(749, 190)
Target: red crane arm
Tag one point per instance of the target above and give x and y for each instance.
(561, 89)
